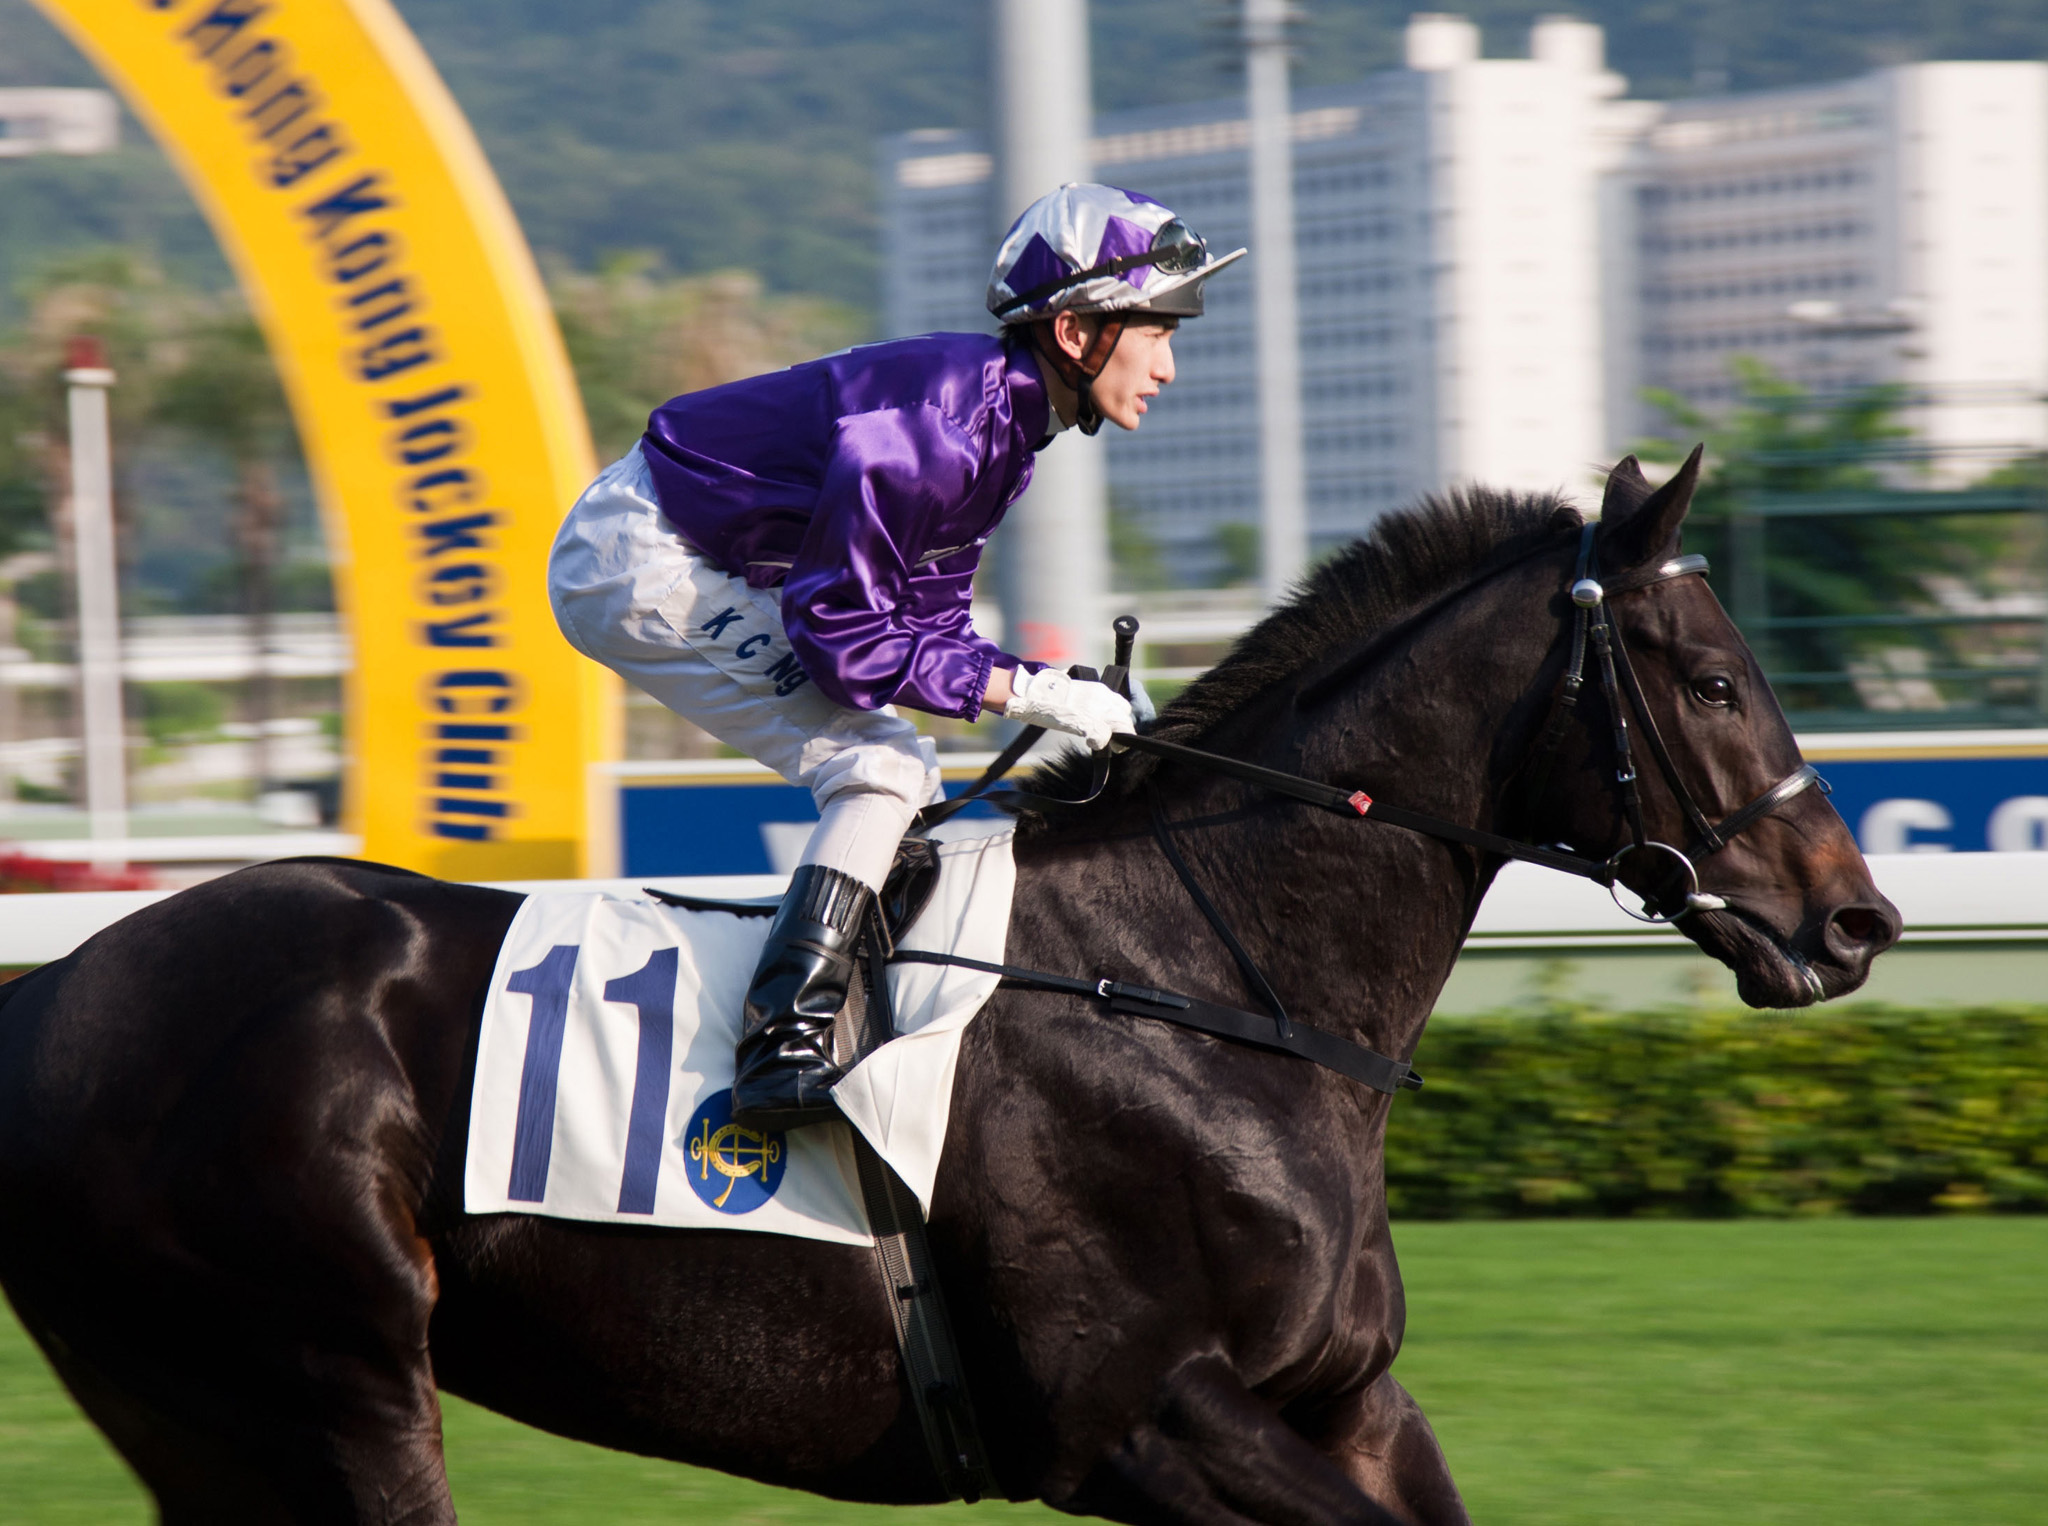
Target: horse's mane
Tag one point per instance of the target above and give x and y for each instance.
(1409, 560)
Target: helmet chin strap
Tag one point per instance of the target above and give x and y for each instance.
(1080, 374)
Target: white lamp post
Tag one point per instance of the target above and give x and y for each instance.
(1283, 516)
(1053, 559)
(99, 601)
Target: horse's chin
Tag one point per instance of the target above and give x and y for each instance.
(1769, 972)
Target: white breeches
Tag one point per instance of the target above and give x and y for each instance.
(631, 593)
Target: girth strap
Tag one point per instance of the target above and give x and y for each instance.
(932, 1366)
(1361, 1064)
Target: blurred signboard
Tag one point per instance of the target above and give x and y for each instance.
(431, 392)
(39, 121)
(728, 816)
(1902, 792)
(1939, 791)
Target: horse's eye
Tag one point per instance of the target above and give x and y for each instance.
(1713, 691)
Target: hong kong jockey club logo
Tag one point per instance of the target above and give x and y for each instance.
(733, 1168)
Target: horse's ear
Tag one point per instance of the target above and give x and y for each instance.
(1638, 525)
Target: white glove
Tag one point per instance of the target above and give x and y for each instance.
(1088, 710)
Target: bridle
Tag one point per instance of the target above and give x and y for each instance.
(1675, 894)
(1618, 678)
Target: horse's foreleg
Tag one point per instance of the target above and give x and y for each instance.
(1212, 1451)
(1384, 1443)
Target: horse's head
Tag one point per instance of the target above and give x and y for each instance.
(1799, 918)
(1422, 662)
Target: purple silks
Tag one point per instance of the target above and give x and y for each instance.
(865, 484)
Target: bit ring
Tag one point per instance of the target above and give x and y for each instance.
(1614, 885)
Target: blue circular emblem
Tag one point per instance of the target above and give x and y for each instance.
(732, 1168)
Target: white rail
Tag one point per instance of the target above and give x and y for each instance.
(1944, 897)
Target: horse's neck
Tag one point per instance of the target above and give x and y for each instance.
(1356, 924)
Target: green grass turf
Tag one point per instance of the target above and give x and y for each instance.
(1860, 1371)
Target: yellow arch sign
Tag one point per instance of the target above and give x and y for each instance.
(432, 396)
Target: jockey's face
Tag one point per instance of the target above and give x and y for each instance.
(1141, 364)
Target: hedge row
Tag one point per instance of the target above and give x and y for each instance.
(1714, 1114)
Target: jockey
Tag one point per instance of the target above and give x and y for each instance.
(784, 560)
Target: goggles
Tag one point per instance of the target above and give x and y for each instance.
(1176, 249)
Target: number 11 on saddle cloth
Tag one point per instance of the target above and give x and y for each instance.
(604, 1067)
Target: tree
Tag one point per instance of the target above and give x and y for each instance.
(223, 393)
(117, 298)
(1136, 563)
(1238, 553)
(638, 337)
(23, 521)
(1840, 594)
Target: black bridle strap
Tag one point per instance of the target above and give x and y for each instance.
(1003, 762)
(1327, 797)
(1703, 830)
(1544, 754)
(1254, 977)
(1361, 1064)
(945, 810)
(1283, 1035)
(1617, 716)
(1357, 805)
(1574, 680)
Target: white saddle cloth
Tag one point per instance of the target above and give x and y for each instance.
(604, 1070)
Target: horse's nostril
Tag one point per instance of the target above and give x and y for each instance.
(1863, 927)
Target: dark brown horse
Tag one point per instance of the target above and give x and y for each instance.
(232, 1126)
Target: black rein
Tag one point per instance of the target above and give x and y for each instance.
(1592, 627)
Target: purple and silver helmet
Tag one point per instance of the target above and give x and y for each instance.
(1096, 249)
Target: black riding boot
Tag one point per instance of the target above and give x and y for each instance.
(785, 1070)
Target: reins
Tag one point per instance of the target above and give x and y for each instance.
(1672, 895)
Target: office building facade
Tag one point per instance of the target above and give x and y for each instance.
(1445, 241)
(1886, 229)
(1497, 256)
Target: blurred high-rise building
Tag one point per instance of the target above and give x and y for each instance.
(1446, 238)
(1891, 228)
(1496, 257)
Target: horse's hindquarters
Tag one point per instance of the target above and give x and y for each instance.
(762, 1355)
(217, 1127)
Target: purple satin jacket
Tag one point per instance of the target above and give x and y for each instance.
(865, 484)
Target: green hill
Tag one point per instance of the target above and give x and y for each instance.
(741, 132)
